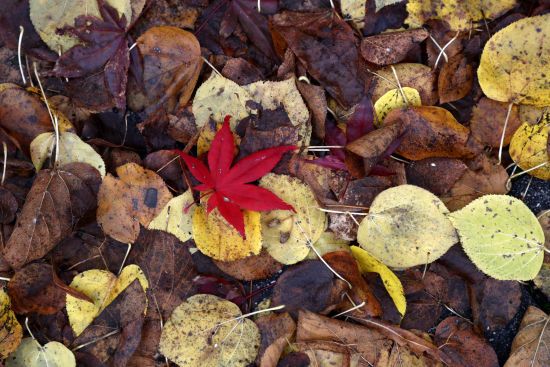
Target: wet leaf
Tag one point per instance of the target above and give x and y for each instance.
(10, 330)
(176, 217)
(71, 149)
(501, 236)
(393, 99)
(459, 14)
(102, 287)
(135, 198)
(528, 347)
(457, 338)
(219, 240)
(208, 331)
(432, 132)
(513, 63)
(529, 148)
(327, 47)
(287, 235)
(31, 354)
(392, 47)
(70, 192)
(171, 65)
(369, 264)
(406, 226)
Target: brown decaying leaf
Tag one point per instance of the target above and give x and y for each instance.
(171, 65)
(253, 267)
(530, 345)
(167, 265)
(241, 71)
(456, 337)
(124, 314)
(8, 206)
(487, 122)
(23, 116)
(374, 144)
(455, 79)
(432, 132)
(309, 285)
(392, 47)
(316, 101)
(36, 288)
(345, 265)
(326, 45)
(167, 166)
(437, 175)
(55, 203)
(135, 198)
(276, 331)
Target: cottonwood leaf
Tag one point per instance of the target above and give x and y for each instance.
(394, 99)
(10, 329)
(216, 238)
(135, 198)
(71, 149)
(459, 14)
(529, 348)
(176, 217)
(55, 203)
(501, 236)
(102, 287)
(529, 147)
(49, 15)
(369, 264)
(207, 331)
(328, 242)
(287, 235)
(514, 63)
(31, 354)
(406, 226)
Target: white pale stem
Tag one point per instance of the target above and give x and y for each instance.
(350, 310)
(19, 59)
(399, 85)
(125, 257)
(212, 66)
(276, 308)
(5, 279)
(5, 165)
(501, 146)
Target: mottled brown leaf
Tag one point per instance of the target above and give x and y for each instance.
(392, 47)
(253, 267)
(275, 332)
(455, 79)
(487, 122)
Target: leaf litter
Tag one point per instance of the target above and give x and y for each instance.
(274, 183)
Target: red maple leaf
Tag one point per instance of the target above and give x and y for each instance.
(229, 187)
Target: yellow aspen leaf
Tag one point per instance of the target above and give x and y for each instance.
(31, 354)
(328, 242)
(393, 99)
(529, 148)
(501, 236)
(460, 14)
(286, 234)
(214, 237)
(514, 63)
(406, 226)
(354, 10)
(370, 264)
(207, 331)
(176, 217)
(102, 287)
(71, 149)
(10, 329)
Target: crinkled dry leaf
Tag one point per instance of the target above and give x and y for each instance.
(459, 14)
(171, 66)
(71, 149)
(369, 264)
(406, 226)
(31, 354)
(10, 329)
(502, 237)
(394, 99)
(529, 148)
(55, 203)
(49, 15)
(514, 63)
(207, 331)
(176, 217)
(529, 348)
(214, 237)
(417, 76)
(135, 198)
(287, 235)
(391, 47)
(102, 287)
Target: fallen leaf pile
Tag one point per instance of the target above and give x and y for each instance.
(237, 183)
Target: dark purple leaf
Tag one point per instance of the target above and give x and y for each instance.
(335, 136)
(362, 120)
(329, 161)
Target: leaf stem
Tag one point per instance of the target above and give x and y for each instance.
(19, 59)
(501, 146)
